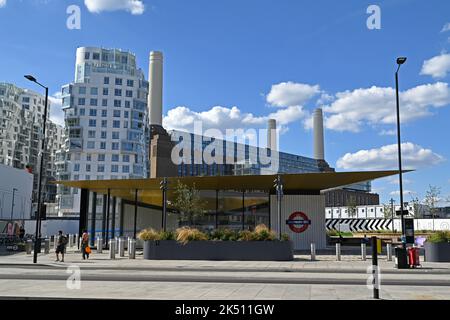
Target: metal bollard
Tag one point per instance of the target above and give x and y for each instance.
(99, 245)
(313, 251)
(389, 251)
(363, 251)
(338, 252)
(117, 244)
(70, 240)
(47, 246)
(121, 247)
(129, 246)
(29, 246)
(55, 242)
(112, 249)
(132, 249)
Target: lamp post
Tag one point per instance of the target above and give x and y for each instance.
(400, 61)
(12, 204)
(278, 185)
(41, 169)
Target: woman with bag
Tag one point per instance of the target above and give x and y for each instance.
(85, 249)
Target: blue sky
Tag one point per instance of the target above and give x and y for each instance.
(279, 58)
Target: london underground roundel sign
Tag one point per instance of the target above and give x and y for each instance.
(298, 222)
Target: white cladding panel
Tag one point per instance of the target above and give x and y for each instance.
(314, 207)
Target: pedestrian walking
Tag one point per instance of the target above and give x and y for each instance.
(61, 246)
(85, 249)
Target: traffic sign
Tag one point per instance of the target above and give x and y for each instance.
(399, 213)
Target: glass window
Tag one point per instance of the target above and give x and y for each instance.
(92, 123)
(117, 103)
(115, 146)
(103, 145)
(106, 80)
(82, 90)
(104, 113)
(130, 83)
(104, 102)
(119, 81)
(94, 91)
(81, 101)
(118, 92)
(105, 91)
(82, 112)
(115, 157)
(127, 104)
(125, 169)
(114, 168)
(88, 157)
(91, 134)
(101, 168)
(96, 56)
(103, 135)
(88, 167)
(86, 55)
(125, 114)
(116, 113)
(129, 93)
(125, 124)
(116, 124)
(93, 102)
(115, 135)
(91, 145)
(93, 112)
(126, 158)
(101, 157)
(104, 123)
(76, 167)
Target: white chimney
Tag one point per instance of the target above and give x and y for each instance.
(155, 75)
(272, 134)
(319, 153)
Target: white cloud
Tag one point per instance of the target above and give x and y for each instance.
(289, 93)
(56, 113)
(446, 27)
(222, 118)
(437, 67)
(134, 6)
(2, 3)
(413, 157)
(405, 193)
(376, 105)
(392, 132)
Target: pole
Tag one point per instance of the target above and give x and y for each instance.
(392, 214)
(135, 213)
(12, 204)
(41, 169)
(376, 293)
(400, 158)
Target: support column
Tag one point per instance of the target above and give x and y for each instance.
(121, 219)
(104, 218)
(243, 210)
(113, 218)
(93, 218)
(84, 208)
(108, 207)
(135, 213)
(217, 209)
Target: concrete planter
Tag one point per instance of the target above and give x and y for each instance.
(219, 250)
(437, 252)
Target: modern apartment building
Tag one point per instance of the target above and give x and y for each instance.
(106, 117)
(21, 124)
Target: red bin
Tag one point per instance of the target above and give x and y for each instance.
(413, 257)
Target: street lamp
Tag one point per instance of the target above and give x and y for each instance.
(278, 185)
(41, 169)
(400, 61)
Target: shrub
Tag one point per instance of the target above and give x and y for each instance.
(262, 233)
(246, 235)
(332, 233)
(284, 237)
(439, 236)
(167, 235)
(148, 235)
(186, 234)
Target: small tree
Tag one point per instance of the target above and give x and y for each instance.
(188, 202)
(416, 206)
(352, 207)
(431, 200)
(387, 211)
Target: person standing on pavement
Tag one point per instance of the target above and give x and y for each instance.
(85, 244)
(60, 246)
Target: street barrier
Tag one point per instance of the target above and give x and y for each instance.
(112, 249)
(132, 249)
(363, 251)
(99, 245)
(29, 246)
(338, 251)
(313, 251)
(47, 246)
(121, 247)
(389, 251)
